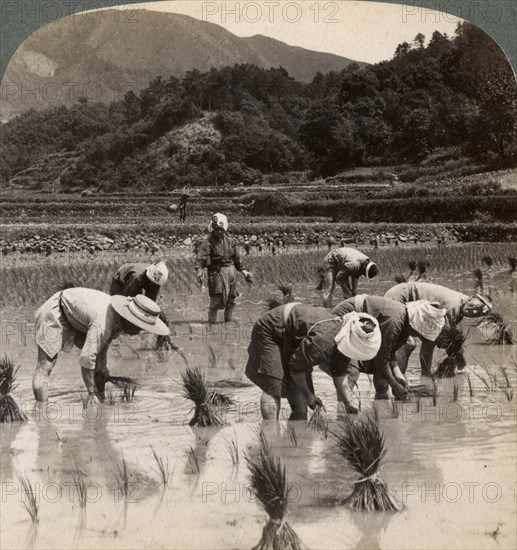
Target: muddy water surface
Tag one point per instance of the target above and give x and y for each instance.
(452, 465)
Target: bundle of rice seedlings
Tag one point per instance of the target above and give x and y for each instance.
(512, 261)
(453, 340)
(361, 443)
(29, 498)
(9, 410)
(122, 381)
(318, 421)
(206, 400)
(420, 390)
(412, 266)
(268, 482)
(502, 333)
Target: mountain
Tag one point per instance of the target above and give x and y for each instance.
(100, 57)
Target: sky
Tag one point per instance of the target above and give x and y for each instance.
(363, 31)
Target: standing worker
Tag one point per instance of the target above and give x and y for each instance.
(219, 254)
(344, 266)
(186, 194)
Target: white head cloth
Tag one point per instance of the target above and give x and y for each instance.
(157, 273)
(218, 220)
(426, 318)
(354, 342)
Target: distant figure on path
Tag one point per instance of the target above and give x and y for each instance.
(344, 266)
(186, 194)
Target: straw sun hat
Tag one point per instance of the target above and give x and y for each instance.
(142, 312)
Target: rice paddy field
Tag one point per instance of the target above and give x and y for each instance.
(133, 473)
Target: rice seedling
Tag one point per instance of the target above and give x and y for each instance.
(122, 478)
(29, 498)
(9, 410)
(163, 467)
(491, 377)
(293, 436)
(500, 331)
(455, 390)
(128, 393)
(79, 483)
(504, 372)
(212, 359)
(193, 461)
(452, 340)
(412, 266)
(268, 482)
(512, 262)
(471, 386)
(233, 448)
(318, 421)
(482, 378)
(206, 400)
(375, 413)
(508, 392)
(361, 443)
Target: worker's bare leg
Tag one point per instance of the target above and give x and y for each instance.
(40, 379)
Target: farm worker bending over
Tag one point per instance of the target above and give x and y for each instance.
(289, 340)
(344, 266)
(397, 322)
(220, 255)
(139, 278)
(458, 305)
(90, 319)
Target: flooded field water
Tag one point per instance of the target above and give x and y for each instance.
(452, 465)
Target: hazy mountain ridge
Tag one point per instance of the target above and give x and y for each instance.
(102, 58)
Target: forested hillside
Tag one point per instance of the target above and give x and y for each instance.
(242, 122)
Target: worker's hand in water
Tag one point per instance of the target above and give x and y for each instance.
(316, 401)
(352, 409)
(399, 391)
(402, 381)
(248, 276)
